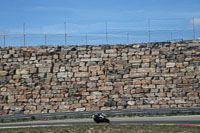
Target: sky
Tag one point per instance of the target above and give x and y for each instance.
(122, 17)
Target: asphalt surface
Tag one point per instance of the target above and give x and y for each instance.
(177, 120)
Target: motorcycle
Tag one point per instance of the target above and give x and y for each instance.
(100, 118)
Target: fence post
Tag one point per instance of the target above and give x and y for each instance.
(106, 33)
(45, 39)
(24, 34)
(194, 36)
(171, 36)
(65, 26)
(86, 39)
(4, 40)
(149, 27)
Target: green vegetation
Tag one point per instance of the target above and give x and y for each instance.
(107, 128)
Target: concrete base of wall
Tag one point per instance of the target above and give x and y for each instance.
(61, 115)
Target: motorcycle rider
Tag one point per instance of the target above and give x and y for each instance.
(100, 117)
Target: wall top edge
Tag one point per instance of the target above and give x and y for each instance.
(107, 45)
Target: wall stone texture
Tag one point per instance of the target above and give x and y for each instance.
(48, 79)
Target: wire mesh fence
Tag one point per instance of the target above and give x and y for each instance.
(158, 30)
(96, 38)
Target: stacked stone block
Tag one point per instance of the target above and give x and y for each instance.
(48, 79)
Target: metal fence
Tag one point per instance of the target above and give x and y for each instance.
(106, 33)
(95, 38)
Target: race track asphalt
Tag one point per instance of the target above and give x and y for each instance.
(177, 120)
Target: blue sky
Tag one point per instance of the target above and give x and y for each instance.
(90, 16)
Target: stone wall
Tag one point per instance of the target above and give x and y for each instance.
(48, 79)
